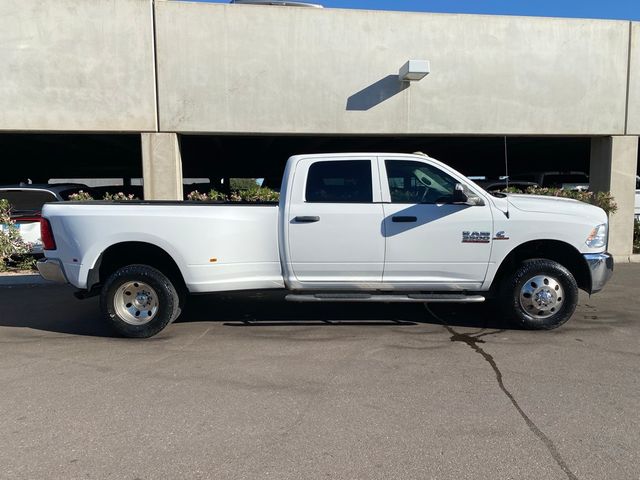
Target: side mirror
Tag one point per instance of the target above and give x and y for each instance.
(458, 194)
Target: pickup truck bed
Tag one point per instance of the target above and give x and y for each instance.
(224, 246)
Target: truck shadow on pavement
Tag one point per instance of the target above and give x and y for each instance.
(271, 311)
(54, 309)
(51, 309)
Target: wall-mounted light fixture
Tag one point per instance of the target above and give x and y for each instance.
(414, 70)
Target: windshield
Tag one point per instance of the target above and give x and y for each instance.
(27, 201)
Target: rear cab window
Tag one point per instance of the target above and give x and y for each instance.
(344, 181)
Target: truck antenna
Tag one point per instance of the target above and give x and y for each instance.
(506, 173)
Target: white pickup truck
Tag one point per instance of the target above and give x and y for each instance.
(354, 227)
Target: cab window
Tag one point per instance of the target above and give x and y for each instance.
(340, 182)
(417, 182)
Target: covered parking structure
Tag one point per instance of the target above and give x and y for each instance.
(117, 158)
(41, 157)
(265, 156)
(168, 90)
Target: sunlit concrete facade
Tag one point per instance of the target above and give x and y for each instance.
(174, 68)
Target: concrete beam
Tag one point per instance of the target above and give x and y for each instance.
(258, 69)
(77, 65)
(161, 166)
(613, 169)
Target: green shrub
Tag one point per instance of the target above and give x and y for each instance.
(81, 196)
(119, 197)
(196, 196)
(636, 236)
(27, 262)
(511, 190)
(213, 195)
(12, 247)
(217, 196)
(254, 194)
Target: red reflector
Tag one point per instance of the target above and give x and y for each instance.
(46, 234)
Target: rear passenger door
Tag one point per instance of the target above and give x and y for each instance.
(335, 222)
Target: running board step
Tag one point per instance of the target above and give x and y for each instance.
(366, 297)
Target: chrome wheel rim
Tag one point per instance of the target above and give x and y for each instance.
(541, 296)
(136, 303)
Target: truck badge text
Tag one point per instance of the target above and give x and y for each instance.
(476, 237)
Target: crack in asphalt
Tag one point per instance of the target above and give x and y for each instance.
(472, 341)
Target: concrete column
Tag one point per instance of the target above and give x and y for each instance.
(161, 166)
(613, 169)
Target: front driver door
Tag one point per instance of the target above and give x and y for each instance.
(426, 243)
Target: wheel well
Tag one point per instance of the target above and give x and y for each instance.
(561, 252)
(130, 253)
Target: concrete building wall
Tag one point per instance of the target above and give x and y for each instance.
(633, 126)
(77, 65)
(234, 68)
(73, 65)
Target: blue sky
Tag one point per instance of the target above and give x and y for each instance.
(616, 9)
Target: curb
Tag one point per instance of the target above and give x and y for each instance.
(634, 258)
(22, 280)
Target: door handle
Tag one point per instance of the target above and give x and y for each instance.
(401, 219)
(306, 219)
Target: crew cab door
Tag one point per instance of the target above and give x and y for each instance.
(334, 222)
(429, 240)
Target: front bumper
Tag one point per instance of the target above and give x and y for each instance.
(51, 269)
(601, 269)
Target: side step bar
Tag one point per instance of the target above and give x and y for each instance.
(366, 297)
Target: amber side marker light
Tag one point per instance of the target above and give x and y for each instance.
(213, 260)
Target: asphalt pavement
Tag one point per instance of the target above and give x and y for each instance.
(257, 388)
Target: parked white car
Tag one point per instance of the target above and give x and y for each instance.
(26, 202)
(354, 227)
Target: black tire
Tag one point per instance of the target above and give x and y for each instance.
(539, 295)
(147, 284)
(183, 294)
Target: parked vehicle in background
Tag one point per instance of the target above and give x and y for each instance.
(26, 202)
(566, 180)
(354, 227)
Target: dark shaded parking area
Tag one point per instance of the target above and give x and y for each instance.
(116, 159)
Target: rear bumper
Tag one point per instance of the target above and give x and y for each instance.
(51, 269)
(601, 269)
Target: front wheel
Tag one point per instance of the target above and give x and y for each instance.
(139, 301)
(540, 295)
